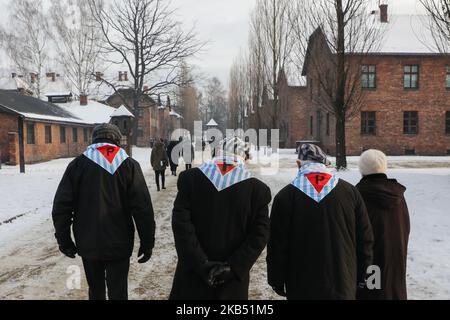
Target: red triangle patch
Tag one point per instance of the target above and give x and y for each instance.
(109, 152)
(319, 180)
(225, 169)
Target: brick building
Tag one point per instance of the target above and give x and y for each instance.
(405, 90)
(49, 131)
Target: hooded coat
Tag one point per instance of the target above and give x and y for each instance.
(319, 250)
(389, 216)
(228, 226)
(159, 159)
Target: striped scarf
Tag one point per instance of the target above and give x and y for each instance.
(223, 177)
(316, 181)
(107, 156)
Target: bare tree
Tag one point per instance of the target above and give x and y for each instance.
(239, 93)
(188, 98)
(345, 32)
(77, 41)
(272, 40)
(25, 41)
(439, 10)
(214, 103)
(144, 36)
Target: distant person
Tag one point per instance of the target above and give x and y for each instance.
(221, 226)
(159, 161)
(188, 153)
(173, 158)
(101, 197)
(321, 239)
(389, 217)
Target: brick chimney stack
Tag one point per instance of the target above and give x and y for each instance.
(120, 76)
(125, 76)
(384, 16)
(83, 99)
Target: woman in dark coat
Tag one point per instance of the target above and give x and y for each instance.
(389, 216)
(159, 161)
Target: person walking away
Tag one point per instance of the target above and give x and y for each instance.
(389, 216)
(221, 225)
(173, 158)
(321, 238)
(102, 195)
(188, 153)
(159, 161)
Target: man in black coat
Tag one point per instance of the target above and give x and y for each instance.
(321, 239)
(101, 196)
(389, 217)
(221, 226)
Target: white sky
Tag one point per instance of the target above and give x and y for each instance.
(225, 23)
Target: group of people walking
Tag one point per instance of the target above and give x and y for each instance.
(322, 233)
(163, 156)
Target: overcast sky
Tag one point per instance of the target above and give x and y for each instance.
(225, 23)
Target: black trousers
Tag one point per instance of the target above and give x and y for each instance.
(162, 174)
(107, 274)
(188, 166)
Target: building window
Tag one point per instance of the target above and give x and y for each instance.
(311, 125)
(48, 134)
(411, 77)
(369, 77)
(75, 135)
(62, 134)
(447, 82)
(368, 123)
(86, 135)
(328, 124)
(447, 122)
(411, 122)
(31, 137)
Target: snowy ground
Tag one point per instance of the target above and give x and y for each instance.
(32, 268)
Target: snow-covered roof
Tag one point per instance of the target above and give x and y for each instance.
(175, 114)
(93, 113)
(212, 123)
(122, 111)
(407, 34)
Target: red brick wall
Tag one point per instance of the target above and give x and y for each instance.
(390, 100)
(41, 151)
(8, 124)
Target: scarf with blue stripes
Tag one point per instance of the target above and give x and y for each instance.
(108, 156)
(316, 181)
(223, 177)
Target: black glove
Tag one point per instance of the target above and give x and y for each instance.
(220, 274)
(205, 271)
(145, 253)
(280, 290)
(69, 250)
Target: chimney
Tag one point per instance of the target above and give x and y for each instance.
(98, 76)
(125, 76)
(384, 13)
(51, 75)
(120, 76)
(83, 99)
(169, 105)
(33, 77)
